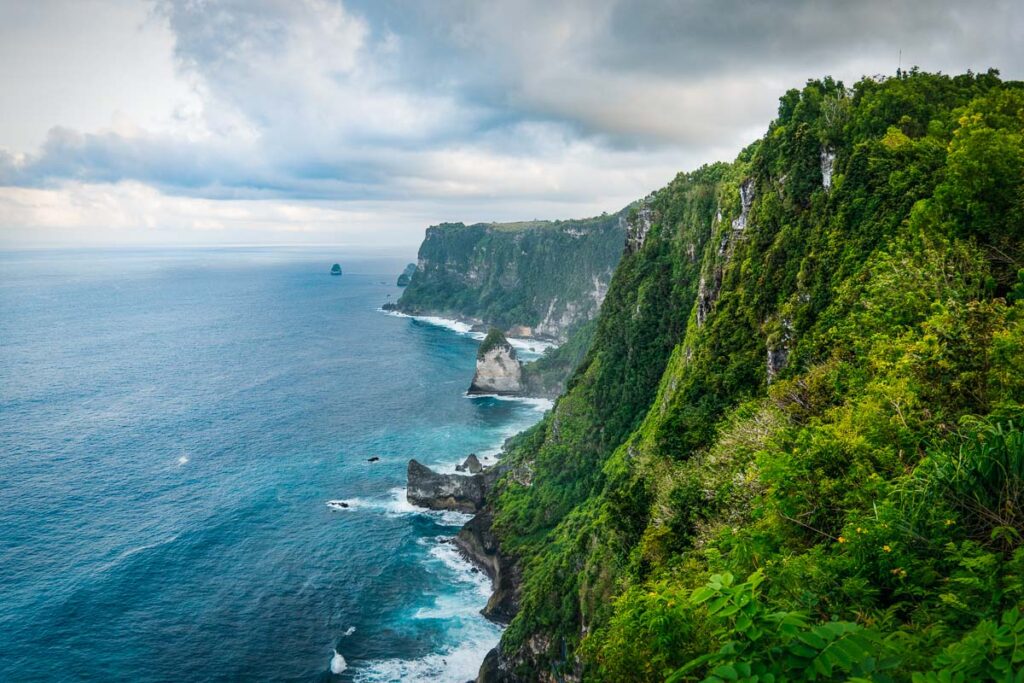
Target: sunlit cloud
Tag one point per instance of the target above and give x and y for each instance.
(366, 120)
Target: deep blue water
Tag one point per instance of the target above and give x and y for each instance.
(172, 427)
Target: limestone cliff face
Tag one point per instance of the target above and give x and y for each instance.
(498, 370)
(545, 276)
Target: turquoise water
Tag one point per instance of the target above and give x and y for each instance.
(173, 425)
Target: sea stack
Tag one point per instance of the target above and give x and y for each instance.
(406, 277)
(336, 269)
(498, 370)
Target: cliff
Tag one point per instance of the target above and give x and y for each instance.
(541, 278)
(794, 443)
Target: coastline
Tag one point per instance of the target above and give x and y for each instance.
(473, 548)
(474, 585)
(528, 348)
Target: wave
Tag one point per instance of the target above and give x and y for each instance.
(456, 326)
(396, 505)
(541, 405)
(527, 348)
(445, 554)
(338, 663)
(472, 634)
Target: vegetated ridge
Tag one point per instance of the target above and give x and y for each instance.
(793, 449)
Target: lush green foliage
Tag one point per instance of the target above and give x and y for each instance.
(494, 339)
(548, 375)
(824, 393)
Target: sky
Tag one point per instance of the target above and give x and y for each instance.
(361, 122)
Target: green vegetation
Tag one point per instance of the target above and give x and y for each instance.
(545, 275)
(493, 340)
(547, 375)
(822, 394)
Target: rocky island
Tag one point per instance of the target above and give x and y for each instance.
(336, 269)
(498, 370)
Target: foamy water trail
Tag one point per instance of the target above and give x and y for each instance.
(396, 505)
(527, 349)
(474, 635)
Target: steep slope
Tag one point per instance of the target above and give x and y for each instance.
(808, 371)
(542, 278)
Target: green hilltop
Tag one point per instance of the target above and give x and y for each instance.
(794, 447)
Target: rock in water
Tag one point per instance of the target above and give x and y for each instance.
(429, 489)
(472, 464)
(336, 269)
(498, 370)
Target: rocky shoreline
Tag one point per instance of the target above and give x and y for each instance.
(475, 541)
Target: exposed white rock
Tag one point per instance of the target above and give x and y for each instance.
(746, 201)
(639, 224)
(498, 370)
(828, 162)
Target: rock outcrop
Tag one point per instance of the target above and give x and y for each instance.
(406, 277)
(480, 546)
(498, 370)
(828, 163)
(471, 465)
(430, 489)
(336, 269)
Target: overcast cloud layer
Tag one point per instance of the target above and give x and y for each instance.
(362, 121)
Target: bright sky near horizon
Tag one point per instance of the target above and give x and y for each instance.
(360, 122)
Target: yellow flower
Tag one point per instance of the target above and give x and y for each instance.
(950, 522)
(842, 540)
(886, 548)
(859, 530)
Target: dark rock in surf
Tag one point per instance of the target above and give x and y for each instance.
(430, 489)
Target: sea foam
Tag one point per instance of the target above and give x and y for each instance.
(338, 663)
(527, 348)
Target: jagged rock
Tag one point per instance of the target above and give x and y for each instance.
(430, 489)
(707, 290)
(498, 370)
(491, 670)
(480, 546)
(778, 347)
(638, 224)
(746, 201)
(472, 464)
(336, 269)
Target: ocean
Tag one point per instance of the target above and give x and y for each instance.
(176, 430)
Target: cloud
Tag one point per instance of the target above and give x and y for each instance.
(454, 110)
